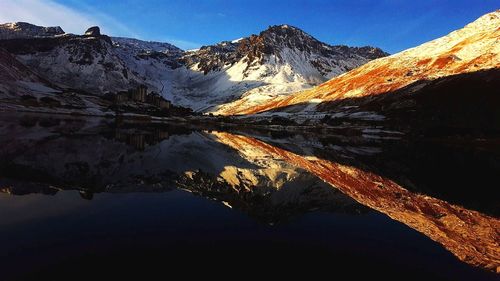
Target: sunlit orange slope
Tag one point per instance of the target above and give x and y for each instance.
(472, 48)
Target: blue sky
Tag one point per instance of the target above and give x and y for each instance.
(393, 25)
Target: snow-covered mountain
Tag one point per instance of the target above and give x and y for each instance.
(471, 49)
(257, 73)
(27, 30)
(22, 89)
(152, 62)
(282, 44)
(280, 60)
(140, 47)
(88, 62)
(16, 79)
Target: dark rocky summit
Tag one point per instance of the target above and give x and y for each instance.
(93, 31)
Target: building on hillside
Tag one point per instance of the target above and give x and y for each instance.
(158, 101)
(122, 97)
(138, 94)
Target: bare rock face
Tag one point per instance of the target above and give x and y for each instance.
(93, 31)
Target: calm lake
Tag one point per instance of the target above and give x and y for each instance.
(86, 197)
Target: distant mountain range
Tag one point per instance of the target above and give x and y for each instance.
(280, 60)
(273, 73)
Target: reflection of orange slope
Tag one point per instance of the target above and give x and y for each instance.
(472, 236)
(472, 48)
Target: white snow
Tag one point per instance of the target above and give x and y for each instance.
(289, 73)
(237, 40)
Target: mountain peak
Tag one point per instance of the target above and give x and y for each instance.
(282, 45)
(284, 29)
(27, 30)
(284, 26)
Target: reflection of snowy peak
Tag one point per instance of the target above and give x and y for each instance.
(98, 158)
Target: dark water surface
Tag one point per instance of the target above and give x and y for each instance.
(84, 198)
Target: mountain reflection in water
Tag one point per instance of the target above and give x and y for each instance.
(271, 178)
